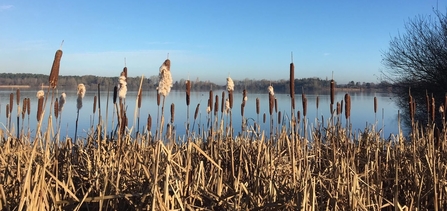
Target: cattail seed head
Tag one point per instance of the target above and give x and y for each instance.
(270, 89)
(279, 117)
(28, 106)
(271, 104)
(122, 91)
(7, 111)
(54, 74)
(292, 81)
(338, 108)
(208, 108)
(222, 105)
(62, 101)
(304, 105)
(263, 118)
(318, 101)
(227, 106)
(18, 97)
(196, 113)
(230, 84)
(242, 109)
(257, 106)
(332, 91)
(81, 94)
(139, 97)
(216, 105)
(244, 97)
(347, 106)
(188, 92)
(230, 99)
(298, 116)
(56, 108)
(11, 102)
(24, 107)
(211, 100)
(165, 78)
(115, 94)
(276, 105)
(94, 104)
(40, 97)
(158, 99)
(172, 112)
(375, 105)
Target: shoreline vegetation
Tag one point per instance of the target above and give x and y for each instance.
(294, 165)
(10, 81)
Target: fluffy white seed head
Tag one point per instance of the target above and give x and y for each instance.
(270, 88)
(230, 84)
(227, 106)
(165, 78)
(40, 94)
(62, 101)
(122, 87)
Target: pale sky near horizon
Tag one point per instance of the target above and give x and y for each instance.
(208, 40)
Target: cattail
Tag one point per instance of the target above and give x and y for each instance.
(298, 116)
(279, 117)
(244, 96)
(222, 106)
(18, 97)
(94, 104)
(263, 118)
(172, 112)
(270, 89)
(211, 100)
(188, 92)
(332, 91)
(318, 101)
(208, 108)
(292, 81)
(276, 105)
(230, 88)
(54, 74)
(7, 111)
(40, 97)
(227, 106)
(158, 99)
(62, 101)
(242, 109)
(197, 111)
(304, 105)
(124, 73)
(271, 104)
(28, 106)
(81, 94)
(11, 102)
(375, 104)
(347, 105)
(165, 78)
(24, 107)
(149, 123)
(257, 106)
(139, 97)
(56, 108)
(338, 108)
(115, 94)
(122, 91)
(216, 105)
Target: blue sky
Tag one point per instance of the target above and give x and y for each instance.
(208, 40)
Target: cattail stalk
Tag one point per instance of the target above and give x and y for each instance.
(230, 88)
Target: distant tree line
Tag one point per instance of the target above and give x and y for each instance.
(36, 81)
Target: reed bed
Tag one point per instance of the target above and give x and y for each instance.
(325, 167)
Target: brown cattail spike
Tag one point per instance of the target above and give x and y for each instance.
(216, 105)
(56, 108)
(39, 108)
(172, 112)
(18, 96)
(292, 80)
(115, 94)
(7, 111)
(375, 105)
(197, 111)
(28, 106)
(257, 106)
(158, 99)
(11, 102)
(188, 92)
(222, 104)
(332, 91)
(54, 74)
(211, 100)
(304, 105)
(94, 104)
(24, 107)
(347, 106)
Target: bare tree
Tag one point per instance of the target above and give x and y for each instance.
(417, 60)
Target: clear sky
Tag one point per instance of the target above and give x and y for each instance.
(208, 39)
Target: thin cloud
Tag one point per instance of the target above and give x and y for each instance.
(6, 7)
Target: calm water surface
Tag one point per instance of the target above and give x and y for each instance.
(362, 111)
